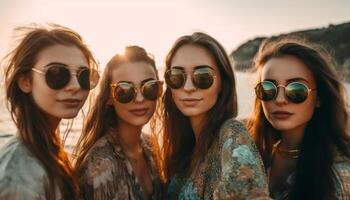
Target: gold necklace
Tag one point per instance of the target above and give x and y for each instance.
(293, 153)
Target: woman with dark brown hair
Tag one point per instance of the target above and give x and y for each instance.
(115, 159)
(300, 121)
(207, 153)
(48, 78)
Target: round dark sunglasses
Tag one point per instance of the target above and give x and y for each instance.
(202, 78)
(58, 76)
(296, 92)
(125, 92)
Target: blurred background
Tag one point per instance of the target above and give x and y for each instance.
(109, 25)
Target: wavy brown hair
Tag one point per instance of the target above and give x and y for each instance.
(39, 138)
(180, 151)
(102, 116)
(326, 132)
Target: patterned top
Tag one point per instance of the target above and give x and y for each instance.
(106, 173)
(22, 176)
(341, 170)
(232, 169)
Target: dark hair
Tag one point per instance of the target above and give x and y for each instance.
(103, 116)
(33, 128)
(179, 152)
(325, 133)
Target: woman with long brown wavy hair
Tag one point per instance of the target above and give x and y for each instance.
(48, 77)
(208, 154)
(115, 159)
(300, 121)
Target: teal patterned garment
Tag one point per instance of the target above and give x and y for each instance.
(232, 169)
(22, 176)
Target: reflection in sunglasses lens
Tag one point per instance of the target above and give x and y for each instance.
(57, 77)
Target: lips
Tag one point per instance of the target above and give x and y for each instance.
(190, 102)
(70, 102)
(139, 111)
(281, 114)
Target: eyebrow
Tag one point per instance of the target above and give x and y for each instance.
(142, 82)
(289, 80)
(55, 63)
(196, 67)
(62, 64)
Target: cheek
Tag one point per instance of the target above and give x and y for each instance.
(85, 94)
(266, 107)
(175, 95)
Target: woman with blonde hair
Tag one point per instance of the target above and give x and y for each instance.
(115, 159)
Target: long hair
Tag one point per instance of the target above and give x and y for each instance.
(33, 128)
(325, 133)
(102, 116)
(180, 151)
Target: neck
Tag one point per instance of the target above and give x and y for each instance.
(54, 123)
(129, 136)
(291, 139)
(197, 125)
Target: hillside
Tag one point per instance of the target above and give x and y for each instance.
(335, 38)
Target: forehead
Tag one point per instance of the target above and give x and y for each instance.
(284, 68)
(190, 56)
(133, 72)
(69, 55)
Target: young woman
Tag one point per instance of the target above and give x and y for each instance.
(207, 153)
(300, 122)
(48, 77)
(115, 159)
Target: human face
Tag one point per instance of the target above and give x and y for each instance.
(138, 111)
(65, 102)
(194, 102)
(286, 116)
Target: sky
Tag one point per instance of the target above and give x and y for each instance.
(109, 25)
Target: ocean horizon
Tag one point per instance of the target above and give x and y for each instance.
(245, 93)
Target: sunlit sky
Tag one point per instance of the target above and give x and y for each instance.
(110, 25)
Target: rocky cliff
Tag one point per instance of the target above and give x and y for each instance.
(335, 38)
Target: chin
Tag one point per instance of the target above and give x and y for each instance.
(69, 115)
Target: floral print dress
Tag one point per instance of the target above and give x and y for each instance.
(232, 169)
(106, 173)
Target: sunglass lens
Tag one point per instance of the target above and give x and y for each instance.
(174, 78)
(57, 77)
(125, 92)
(88, 78)
(266, 90)
(203, 78)
(296, 92)
(150, 90)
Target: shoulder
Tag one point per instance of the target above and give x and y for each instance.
(98, 159)
(341, 168)
(233, 131)
(21, 173)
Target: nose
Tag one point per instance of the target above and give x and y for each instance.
(281, 96)
(139, 97)
(73, 84)
(189, 86)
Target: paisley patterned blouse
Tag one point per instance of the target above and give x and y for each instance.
(106, 173)
(341, 170)
(22, 176)
(232, 169)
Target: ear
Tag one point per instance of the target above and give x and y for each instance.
(25, 84)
